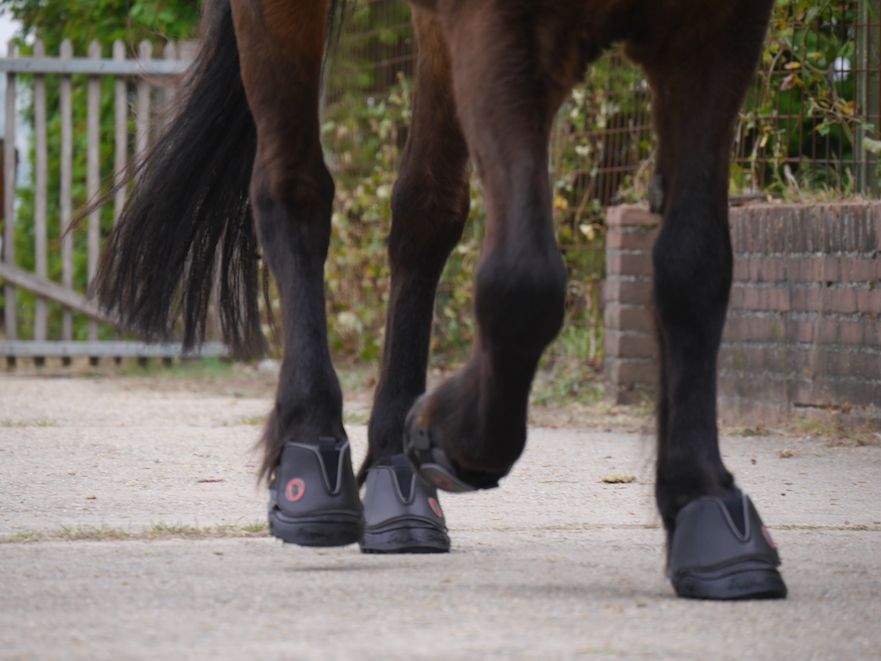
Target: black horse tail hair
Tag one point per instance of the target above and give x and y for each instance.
(190, 206)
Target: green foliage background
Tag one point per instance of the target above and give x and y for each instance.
(365, 124)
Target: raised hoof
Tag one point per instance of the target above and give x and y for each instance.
(402, 513)
(428, 459)
(721, 550)
(314, 497)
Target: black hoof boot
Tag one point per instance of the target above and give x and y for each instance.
(721, 550)
(314, 497)
(424, 451)
(401, 512)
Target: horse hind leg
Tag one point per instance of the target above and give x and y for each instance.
(314, 497)
(468, 433)
(717, 545)
(429, 208)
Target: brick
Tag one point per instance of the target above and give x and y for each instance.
(629, 318)
(800, 330)
(751, 297)
(633, 371)
(775, 299)
(630, 345)
(868, 301)
(816, 299)
(755, 268)
(629, 263)
(840, 300)
(628, 292)
(808, 300)
(743, 328)
(755, 358)
(796, 240)
(772, 269)
(861, 269)
(829, 362)
(860, 333)
(631, 238)
(625, 214)
(741, 268)
(752, 387)
(735, 297)
(836, 391)
(876, 229)
(824, 269)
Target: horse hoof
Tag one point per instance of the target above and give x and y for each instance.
(314, 497)
(721, 550)
(429, 460)
(401, 512)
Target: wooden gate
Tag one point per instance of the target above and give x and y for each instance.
(140, 88)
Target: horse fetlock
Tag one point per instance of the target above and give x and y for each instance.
(677, 486)
(478, 434)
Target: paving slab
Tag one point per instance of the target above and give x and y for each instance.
(555, 564)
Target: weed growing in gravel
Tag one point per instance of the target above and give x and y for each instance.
(244, 420)
(28, 423)
(200, 369)
(159, 530)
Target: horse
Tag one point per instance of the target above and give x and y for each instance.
(239, 176)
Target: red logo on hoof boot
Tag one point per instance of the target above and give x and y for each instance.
(768, 537)
(435, 507)
(295, 490)
(443, 483)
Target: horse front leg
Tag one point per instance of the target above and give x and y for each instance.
(314, 498)
(468, 433)
(717, 545)
(429, 209)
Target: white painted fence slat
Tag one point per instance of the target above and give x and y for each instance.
(66, 208)
(166, 95)
(41, 169)
(93, 172)
(9, 199)
(142, 128)
(86, 67)
(109, 349)
(121, 135)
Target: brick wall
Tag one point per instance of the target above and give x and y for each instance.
(804, 320)
(630, 348)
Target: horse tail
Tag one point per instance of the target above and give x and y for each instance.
(190, 207)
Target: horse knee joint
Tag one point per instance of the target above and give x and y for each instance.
(520, 302)
(293, 186)
(284, 196)
(427, 220)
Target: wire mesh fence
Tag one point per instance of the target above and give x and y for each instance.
(810, 122)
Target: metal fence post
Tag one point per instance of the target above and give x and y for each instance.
(868, 92)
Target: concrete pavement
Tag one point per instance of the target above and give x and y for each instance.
(556, 564)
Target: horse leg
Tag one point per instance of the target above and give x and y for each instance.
(509, 79)
(699, 74)
(429, 209)
(314, 497)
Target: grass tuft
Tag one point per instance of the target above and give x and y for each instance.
(158, 531)
(27, 423)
